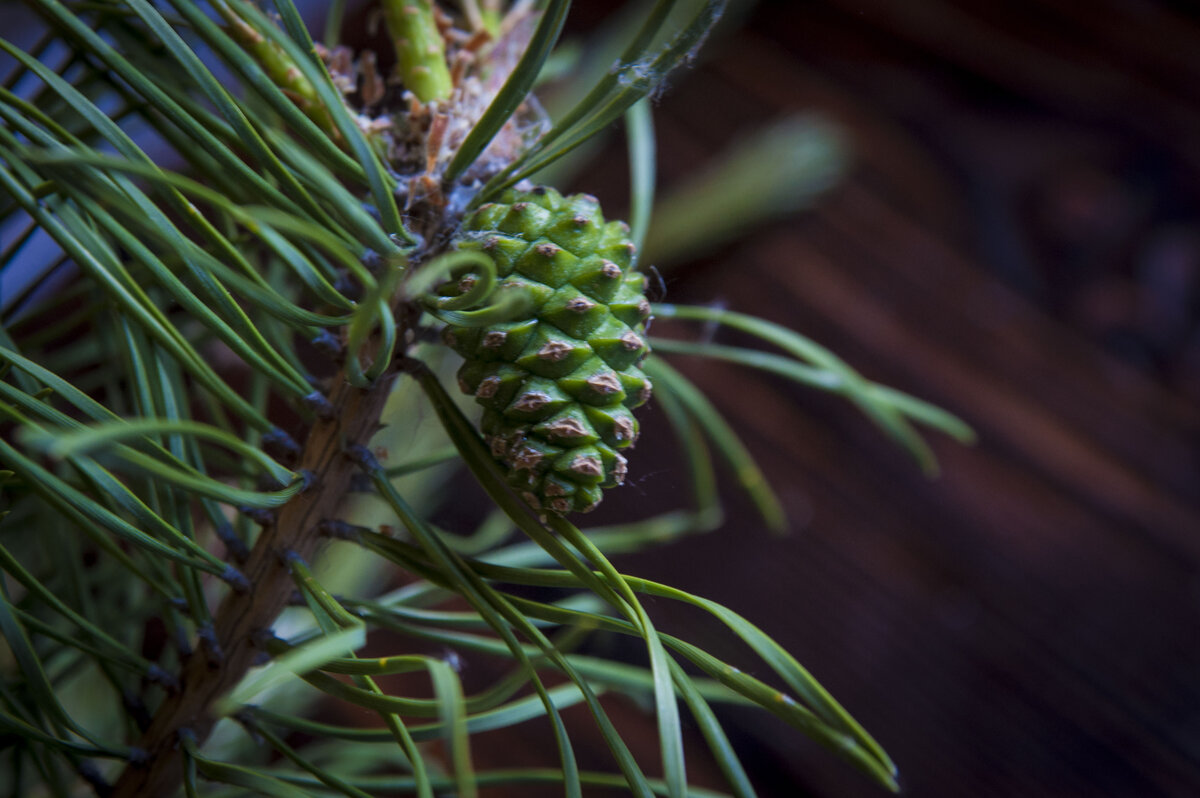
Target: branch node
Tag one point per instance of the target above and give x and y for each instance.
(290, 556)
(207, 636)
(347, 286)
(309, 480)
(281, 446)
(373, 261)
(235, 579)
(363, 457)
(328, 344)
(235, 547)
(319, 405)
(340, 530)
(156, 674)
(258, 515)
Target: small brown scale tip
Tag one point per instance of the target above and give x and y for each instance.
(520, 207)
(566, 428)
(581, 221)
(643, 307)
(546, 250)
(491, 243)
(620, 470)
(586, 466)
(531, 402)
(554, 351)
(645, 391)
(610, 270)
(488, 387)
(554, 489)
(532, 500)
(499, 446)
(495, 339)
(560, 506)
(467, 283)
(526, 458)
(623, 429)
(605, 384)
(580, 304)
(631, 341)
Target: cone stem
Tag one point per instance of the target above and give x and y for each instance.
(420, 48)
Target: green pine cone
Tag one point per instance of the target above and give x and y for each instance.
(557, 384)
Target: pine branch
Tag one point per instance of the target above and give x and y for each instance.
(243, 617)
(286, 227)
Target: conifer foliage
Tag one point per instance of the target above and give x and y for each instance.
(230, 255)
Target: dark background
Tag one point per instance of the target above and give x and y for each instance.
(1018, 242)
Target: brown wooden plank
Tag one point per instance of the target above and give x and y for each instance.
(1023, 625)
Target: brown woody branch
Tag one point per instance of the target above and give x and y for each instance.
(242, 616)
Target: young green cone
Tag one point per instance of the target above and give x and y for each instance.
(557, 385)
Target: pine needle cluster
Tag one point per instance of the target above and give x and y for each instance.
(223, 247)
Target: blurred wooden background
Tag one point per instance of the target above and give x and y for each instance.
(1018, 242)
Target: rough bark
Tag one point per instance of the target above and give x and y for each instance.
(242, 616)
